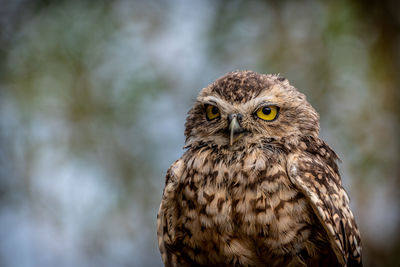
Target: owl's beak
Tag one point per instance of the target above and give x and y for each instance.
(235, 130)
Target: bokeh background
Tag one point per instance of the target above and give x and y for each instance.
(94, 95)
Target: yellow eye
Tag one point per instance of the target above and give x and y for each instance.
(212, 112)
(268, 113)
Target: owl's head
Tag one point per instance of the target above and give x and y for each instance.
(247, 108)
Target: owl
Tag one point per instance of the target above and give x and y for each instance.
(256, 186)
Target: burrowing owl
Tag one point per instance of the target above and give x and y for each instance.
(256, 185)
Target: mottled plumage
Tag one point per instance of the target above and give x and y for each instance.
(256, 185)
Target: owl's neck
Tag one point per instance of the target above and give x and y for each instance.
(275, 144)
(199, 156)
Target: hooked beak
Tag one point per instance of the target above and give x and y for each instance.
(235, 130)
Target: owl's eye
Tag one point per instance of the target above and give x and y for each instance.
(267, 113)
(212, 112)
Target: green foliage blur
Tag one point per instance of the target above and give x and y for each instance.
(94, 94)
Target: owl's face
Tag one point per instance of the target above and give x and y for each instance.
(246, 108)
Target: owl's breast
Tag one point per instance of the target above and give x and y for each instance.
(245, 207)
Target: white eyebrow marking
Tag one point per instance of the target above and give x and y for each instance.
(256, 102)
(232, 107)
(222, 104)
(210, 99)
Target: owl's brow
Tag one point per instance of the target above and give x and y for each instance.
(221, 103)
(251, 104)
(257, 102)
(213, 101)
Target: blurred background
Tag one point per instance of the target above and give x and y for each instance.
(94, 95)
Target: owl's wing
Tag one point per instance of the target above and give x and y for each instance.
(314, 171)
(167, 218)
